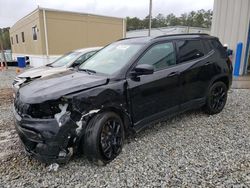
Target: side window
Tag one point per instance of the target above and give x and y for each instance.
(34, 32)
(189, 50)
(217, 45)
(207, 45)
(160, 56)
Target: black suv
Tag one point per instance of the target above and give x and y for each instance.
(123, 88)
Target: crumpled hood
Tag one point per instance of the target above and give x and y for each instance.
(41, 72)
(55, 86)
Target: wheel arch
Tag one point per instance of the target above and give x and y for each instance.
(222, 78)
(125, 117)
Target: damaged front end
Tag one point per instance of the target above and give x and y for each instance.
(52, 113)
(50, 131)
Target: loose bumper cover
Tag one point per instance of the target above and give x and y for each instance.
(45, 139)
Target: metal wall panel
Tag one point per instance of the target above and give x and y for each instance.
(230, 24)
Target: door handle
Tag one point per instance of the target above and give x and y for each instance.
(207, 63)
(173, 74)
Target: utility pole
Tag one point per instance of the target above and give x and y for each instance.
(150, 17)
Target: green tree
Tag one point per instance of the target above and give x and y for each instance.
(184, 19)
(160, 20)
(200, 18)
(208, 18)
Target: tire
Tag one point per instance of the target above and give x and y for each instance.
(103, 138)
(216, 98)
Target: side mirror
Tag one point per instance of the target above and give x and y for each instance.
(143, 69)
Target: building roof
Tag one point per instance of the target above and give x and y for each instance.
(65, 11)
(77, 12)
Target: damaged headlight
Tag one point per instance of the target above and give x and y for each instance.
(18, 82)
(47, 110)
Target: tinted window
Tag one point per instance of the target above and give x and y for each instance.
(217, 45)
(159, 56)
(207, 45)
(190, 50)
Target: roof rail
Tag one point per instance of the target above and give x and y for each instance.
(131, 38)
(182, 34)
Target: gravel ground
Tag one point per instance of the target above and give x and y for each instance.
(190, 150)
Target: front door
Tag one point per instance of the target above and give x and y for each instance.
(152, 95)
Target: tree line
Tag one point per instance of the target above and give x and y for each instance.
(200, 18)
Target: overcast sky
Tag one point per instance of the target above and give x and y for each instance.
(13, 10)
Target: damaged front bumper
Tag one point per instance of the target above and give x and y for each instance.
(45, 139)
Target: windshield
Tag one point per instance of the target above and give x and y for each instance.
(111, 59)
(65, 59)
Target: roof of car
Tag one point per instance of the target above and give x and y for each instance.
(171, 36)
(88, 49)
(185, 35)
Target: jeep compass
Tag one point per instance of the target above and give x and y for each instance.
(121, 89)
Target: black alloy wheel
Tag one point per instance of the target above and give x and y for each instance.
(103, 138)
(216, 98)
(111, 138)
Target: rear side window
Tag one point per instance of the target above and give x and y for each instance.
(189, 50)
(160, 56)
(217, 45)
(207, 45)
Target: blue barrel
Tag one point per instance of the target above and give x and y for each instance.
(21, 62)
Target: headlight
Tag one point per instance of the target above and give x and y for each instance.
(47, 109)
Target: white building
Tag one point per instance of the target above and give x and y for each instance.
(231, 24)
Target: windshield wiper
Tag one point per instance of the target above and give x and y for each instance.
(89, 71)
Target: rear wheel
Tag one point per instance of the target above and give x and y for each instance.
(216, 98)
(103, 139)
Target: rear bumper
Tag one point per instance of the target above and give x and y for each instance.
(44, 139)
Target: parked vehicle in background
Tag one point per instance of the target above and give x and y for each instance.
(70, 60)
(123, 88)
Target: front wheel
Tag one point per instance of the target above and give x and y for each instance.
(103, 138)
(216, 98)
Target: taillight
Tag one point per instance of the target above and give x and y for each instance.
(229, 63)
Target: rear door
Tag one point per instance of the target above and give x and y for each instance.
(192, 61)
(152, 95)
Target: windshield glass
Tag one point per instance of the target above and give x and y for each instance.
(111, 59)
(65, 59)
